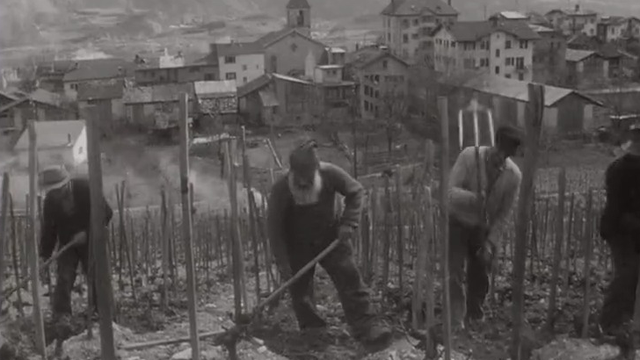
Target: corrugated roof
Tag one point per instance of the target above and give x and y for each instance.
(298, 4)
(577, 55)
(418, 7)
(156, 93)
(52, 134)
(100, 69)
(475, 30)
(290, 78)
(513, 15)
(221, 87)
(238, 48)
(101, 91)
(268, 98)
(518, 90)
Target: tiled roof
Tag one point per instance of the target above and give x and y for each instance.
(577, 55)
(255, 84)
(100, 69)
(475, 30)
(52, 134)
(418, 7)
(298, 4)
(238, 49)
(156, 93)
(101, 91)
(368, 55)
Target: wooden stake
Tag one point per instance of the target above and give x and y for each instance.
(535, 109)
(3, 229)
(557, 253)
(186, 225)
(443, 108)
(33, 241)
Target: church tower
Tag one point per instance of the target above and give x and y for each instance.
(299, 16)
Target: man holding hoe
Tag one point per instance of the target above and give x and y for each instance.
(490, 186)
(302, 222)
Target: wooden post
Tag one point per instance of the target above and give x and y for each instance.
(557, 253)
(252, 212)
(443, 108)
(535, 109)
(186, 224)
(99, 240)
(3, 229)
(33, 241)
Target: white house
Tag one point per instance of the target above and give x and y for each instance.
(241, 62)
(59, 143)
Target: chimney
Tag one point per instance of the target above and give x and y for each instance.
(69, 139)
(577, 8)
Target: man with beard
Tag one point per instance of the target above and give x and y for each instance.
(66, 217)
(472, 239)
(620, 228)
(302, 221)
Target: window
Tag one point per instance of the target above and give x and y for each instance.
(244, 80)
(414, 36)
(521, 77)
(416, 22)
(209, 77)
(519, 63)
(384, 64)
(244, 67)
(508, 76)
(453, 44)
(80, 150)
(507, 44)
(405, 23)
(524, 44)
(230, 76)
(405, 38)
(508, 61)
(229, 59)
(497, 70)
(497, 52)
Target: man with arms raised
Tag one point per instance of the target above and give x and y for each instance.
(302, 221)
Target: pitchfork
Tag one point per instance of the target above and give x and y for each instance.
(475, 109)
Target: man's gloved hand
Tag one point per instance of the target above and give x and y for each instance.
(345, 233)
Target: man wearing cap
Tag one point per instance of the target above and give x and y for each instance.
(66, 218)
(620, 228)
(302, 221)
(472, 239)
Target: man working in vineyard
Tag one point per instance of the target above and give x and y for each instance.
(66, 217)
(620, 228)
(302, 221)
(472, 239)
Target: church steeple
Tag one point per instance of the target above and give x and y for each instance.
(299, 16)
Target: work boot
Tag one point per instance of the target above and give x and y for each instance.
(376, 338)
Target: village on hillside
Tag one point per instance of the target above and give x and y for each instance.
(375, 108)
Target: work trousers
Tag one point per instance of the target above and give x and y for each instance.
(67, 267)
(620, 295)
(465, 253)
(352, 292)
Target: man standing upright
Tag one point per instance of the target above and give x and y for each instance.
(303, 221)
(67, 217)
(472, 239)
(620, 228)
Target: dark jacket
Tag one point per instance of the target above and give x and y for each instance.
(65, 217)
(290, 223)
(621, 216)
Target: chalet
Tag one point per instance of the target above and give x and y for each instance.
(107, 98)
(178, 69)
(239, 62)
(62, 142)
(40, 105)
(612, 28)
(97, 71)
(216, 101)
(155, 106)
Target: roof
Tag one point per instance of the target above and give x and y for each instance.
(156, 93)
(100, 69)
(298, 4)
(475, 30)
(541, 29)
(274, 36)
(222, 87)
(512, 15)
(337, 50)
(40, 96)
(369, 55)
(330, 66)
(613, 20)
(101, 91)
(609, 51)
(52, 134)
(237, 49)
(9, 96)
(255, 84)
(577, 11)
(577, 55)
(418, 7)
(518, 90)
(291, 79)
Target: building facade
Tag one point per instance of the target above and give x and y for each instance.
(409, 24)
(286, 51)
(241, 62)
(575, 21)
(299, 16)
(549, 54)
(488, 46)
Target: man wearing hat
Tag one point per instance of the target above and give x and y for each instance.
(620, 228)
(472, 239)
(66, 217)
(302, 221)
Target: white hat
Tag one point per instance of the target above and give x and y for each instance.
(53, 177)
